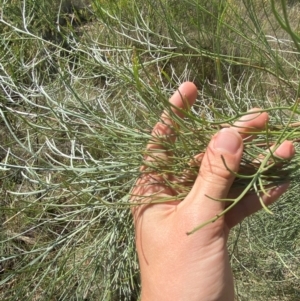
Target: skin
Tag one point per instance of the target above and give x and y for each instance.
(177, 266)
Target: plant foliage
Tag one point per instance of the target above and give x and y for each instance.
(82, 83)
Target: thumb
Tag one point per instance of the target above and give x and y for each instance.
(215, 177)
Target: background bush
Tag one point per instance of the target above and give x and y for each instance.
(81, 85)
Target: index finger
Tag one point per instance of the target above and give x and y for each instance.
(163, 132)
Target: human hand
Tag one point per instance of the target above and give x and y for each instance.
(175, 266)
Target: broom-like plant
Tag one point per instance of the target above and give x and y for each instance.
(80, 92)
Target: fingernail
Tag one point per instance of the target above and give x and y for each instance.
(228, 140)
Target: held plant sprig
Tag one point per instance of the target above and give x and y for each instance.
(255, 183)
(260, 170)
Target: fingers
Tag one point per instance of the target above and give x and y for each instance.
(251, 123)
(221, 161)
(247, 126)
(152, 185)
(163, 132)
(251, 203)
(215, 177)
(285, 151)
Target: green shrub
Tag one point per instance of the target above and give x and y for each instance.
(82, 84)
